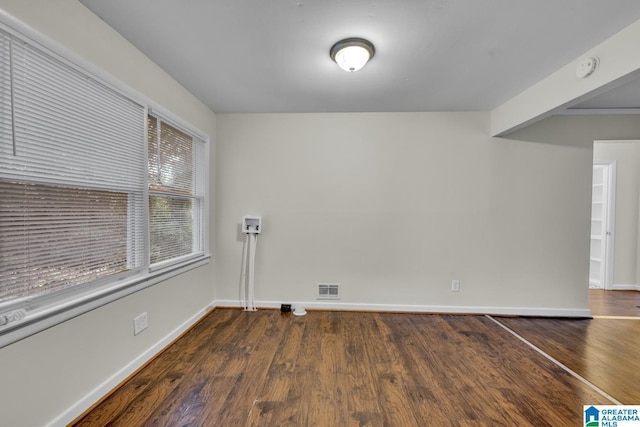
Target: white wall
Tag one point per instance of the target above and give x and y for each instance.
(399, 204)
(44, 375)
(395, 205)
(627, 157)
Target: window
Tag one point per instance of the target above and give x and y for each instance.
(71, 177)
(53, 237)
(175, 191)
(89, 204)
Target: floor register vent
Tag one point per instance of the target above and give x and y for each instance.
(328, 291)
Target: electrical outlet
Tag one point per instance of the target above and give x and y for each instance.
(455, 286)
(140, 323)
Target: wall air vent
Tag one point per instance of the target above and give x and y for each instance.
(328, 291)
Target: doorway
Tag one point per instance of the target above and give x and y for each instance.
(602, 224)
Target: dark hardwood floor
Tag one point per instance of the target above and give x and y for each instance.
(262, 368)
(603, 351)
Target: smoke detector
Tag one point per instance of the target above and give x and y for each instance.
(586, 67)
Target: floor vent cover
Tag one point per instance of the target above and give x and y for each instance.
(328, 291)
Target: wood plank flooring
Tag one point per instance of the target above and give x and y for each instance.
(614, 303)
(603, 351)
(262, 368)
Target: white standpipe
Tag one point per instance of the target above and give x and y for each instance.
(243, 274)
(253, 239)
(251, 226)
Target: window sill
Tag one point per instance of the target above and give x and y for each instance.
(58, 311)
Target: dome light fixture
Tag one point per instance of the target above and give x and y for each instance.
(352, 54)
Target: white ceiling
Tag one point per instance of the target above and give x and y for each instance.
(431, 55)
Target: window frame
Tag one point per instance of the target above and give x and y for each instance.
(199, 224)
(42, 312)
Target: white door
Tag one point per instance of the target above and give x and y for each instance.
(602, 205)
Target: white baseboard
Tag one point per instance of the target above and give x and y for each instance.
(619, 287)
(100, 391)
(406, 308)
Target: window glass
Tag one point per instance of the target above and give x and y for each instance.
(174, 203)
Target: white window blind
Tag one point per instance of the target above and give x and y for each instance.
(85, 217)
(175, 168)
(72, 176)
(58, 237)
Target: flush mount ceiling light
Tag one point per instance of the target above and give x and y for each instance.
(352, 54)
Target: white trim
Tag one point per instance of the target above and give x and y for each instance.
(610, 224)
(176, 121)
(49, 316)
(110, 383)
(620, 287)
(408, 308)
